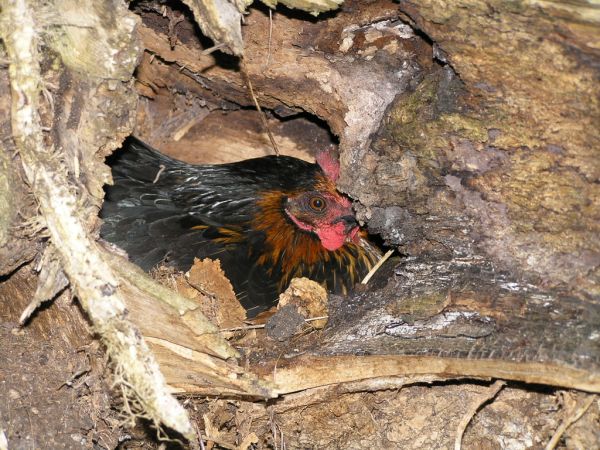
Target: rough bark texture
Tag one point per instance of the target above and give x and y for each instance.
(501, 159)
(415, 140)
(453, 170)
(16, 204)
(447, 318)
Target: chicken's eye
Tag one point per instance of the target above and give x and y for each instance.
(317, 203)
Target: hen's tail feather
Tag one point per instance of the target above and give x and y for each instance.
(139, 214)
(142, 217)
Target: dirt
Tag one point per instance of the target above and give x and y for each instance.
(52, 376)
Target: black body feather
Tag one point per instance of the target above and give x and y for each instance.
(163, 210)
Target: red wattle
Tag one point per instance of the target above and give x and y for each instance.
(333, 236)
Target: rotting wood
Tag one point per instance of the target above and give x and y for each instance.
(455, 166)
(326, 393)
(220, 20)
(457, 318)
(7, 210)
(502, 156)
(15, 247)
(92, 279)
(51, 281)
(151, 304)
(574, 417)
(313, 7)
(351, 96)
(101, 280)
(423, 325)
(450, 319)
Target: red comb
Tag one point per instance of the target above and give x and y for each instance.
(329, 162)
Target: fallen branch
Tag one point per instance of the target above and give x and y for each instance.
(311, 371)
(92, 279)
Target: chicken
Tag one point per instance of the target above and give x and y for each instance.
(267, 220)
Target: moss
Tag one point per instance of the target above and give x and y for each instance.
(410, 112)
(464, 126)
(532, 197)
(97, 42)
(425, 120)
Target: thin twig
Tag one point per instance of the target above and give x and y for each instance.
(577, 414)
(489, 394)
(261, 113)
(247, 327)
(311, 319)
(376, 267)
(73, 377)
(270, 37)
(209, 50)
(200, 444)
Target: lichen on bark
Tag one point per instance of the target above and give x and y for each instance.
(508, 167)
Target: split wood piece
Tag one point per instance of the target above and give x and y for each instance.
(313, 7)
(352, 101)
(206, 284)
(163, 313)
(191, 372)
(331, 392)
(192, 354)
(307, 372)
(221, 20)
(51, 281)
(92, 279)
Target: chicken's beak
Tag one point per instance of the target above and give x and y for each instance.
(350, 224)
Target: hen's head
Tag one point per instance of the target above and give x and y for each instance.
(327, 214)
(323, 210)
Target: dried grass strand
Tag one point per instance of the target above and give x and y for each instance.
(574, 417)
(377, 266)
(261, 113)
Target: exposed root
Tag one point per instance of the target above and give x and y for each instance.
(487, 396)
(51, 282)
